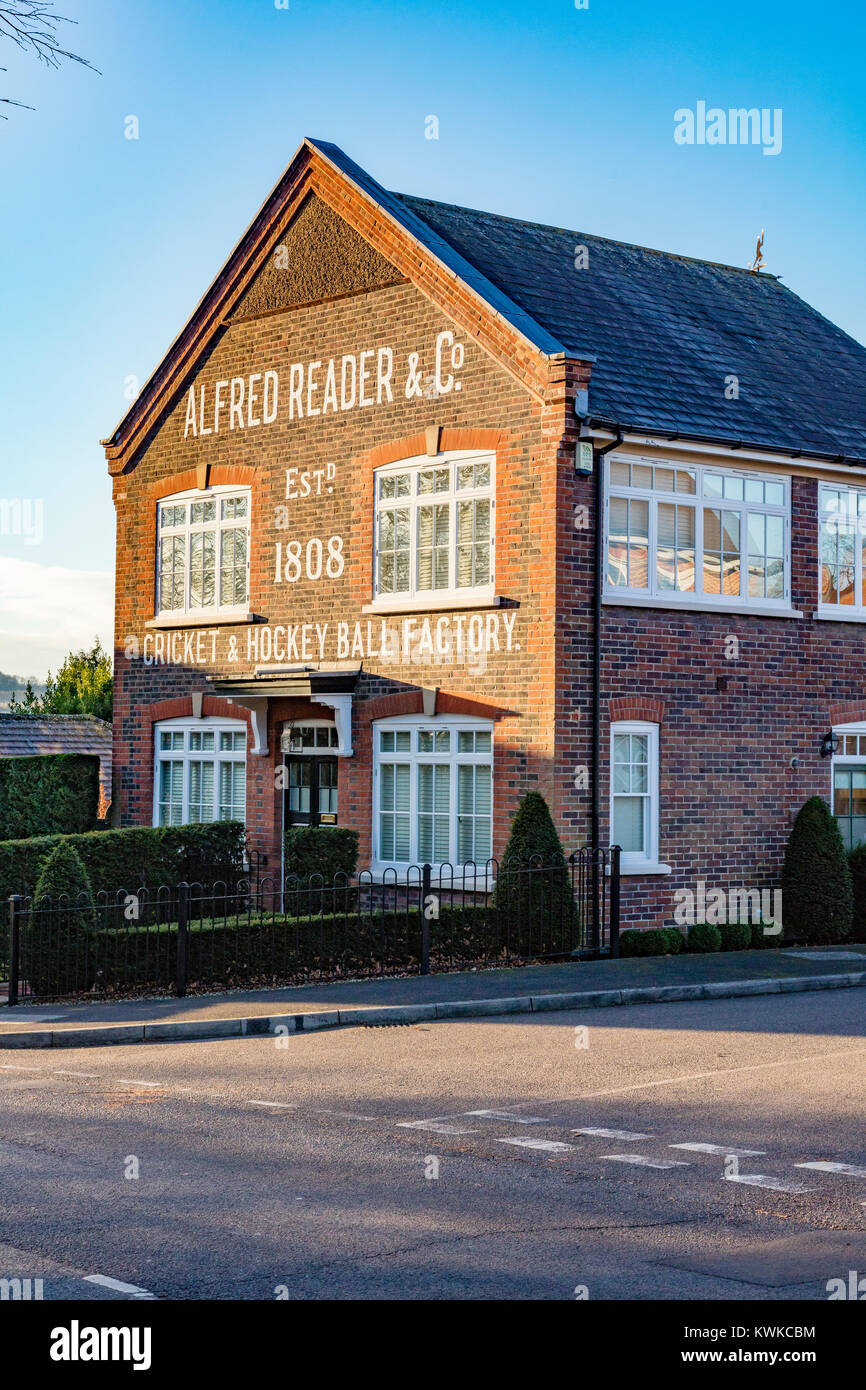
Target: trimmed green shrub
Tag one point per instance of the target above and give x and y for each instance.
(525, 898)
(857, 865)
(759, 941)
(141, 856)
(817, 893)
(320, 849)
(736, 936)
(54, 794)
(643, 943)
(703, 936)
(676, 942)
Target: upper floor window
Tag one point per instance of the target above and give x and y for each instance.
(697, 533)
(203, 551)
(434, 528)
(200, 771)
(842, 512)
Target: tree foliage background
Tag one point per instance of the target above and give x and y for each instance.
(83, 685)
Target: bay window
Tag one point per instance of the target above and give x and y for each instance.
(842, 520)
(433, 792)
(696, 534)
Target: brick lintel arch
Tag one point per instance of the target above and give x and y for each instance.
(412, 702)
(217, 475)
(848, 712)
(411, 445)
(181, 708)
(636, 707)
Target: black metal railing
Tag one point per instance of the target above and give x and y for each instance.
(265, 931)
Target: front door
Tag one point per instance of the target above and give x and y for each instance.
(311, 791)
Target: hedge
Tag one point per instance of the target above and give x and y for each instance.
(857, 865)
(54, 794)
(657, 941)
(250, 950)
(141, 856)
(320, 849)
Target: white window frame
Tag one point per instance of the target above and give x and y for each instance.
(842, 759)
(844, 612)
(653, 594)
(186, 755)
(217, 494)
(648, 862)
(453, 758)
(415, 598)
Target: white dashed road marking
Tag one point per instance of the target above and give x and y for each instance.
(117, 1285)
(611, 1134)
(90, 1075)
(272, 1104)
(849, 1170)
(549, 1145)
(507, 1115)
(719, 1149)
(435, 1125)
(641, 1162)
(761, 1180)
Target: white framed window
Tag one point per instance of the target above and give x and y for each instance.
(434, 529)
(200, 772)
(202, 552)
(634, 793)
(432, 791)
(848, 783)
(842, 523)
(697, 534)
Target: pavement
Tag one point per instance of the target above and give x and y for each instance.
(704, 1150)
(410, 999)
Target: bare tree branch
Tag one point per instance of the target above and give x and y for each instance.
(31, 25)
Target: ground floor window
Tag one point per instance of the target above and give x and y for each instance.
(634, 800)
(849, 784)
(200, 772)
(433, 791)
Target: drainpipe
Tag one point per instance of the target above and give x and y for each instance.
(596, 631)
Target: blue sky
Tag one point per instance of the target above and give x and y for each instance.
(546, 112)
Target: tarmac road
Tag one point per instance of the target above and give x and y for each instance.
(363, 1163)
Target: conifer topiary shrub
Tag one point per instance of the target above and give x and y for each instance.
(56, 956)
(817, 893)
(675, 940)
(533, 898)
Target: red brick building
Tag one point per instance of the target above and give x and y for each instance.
(363, 576)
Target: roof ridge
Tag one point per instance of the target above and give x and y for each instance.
(593, 236)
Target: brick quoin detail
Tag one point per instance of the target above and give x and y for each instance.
(636, 707)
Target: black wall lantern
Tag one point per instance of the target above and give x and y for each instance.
(829, 744)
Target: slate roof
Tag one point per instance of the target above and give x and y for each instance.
(665, 330)
(25, 736)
